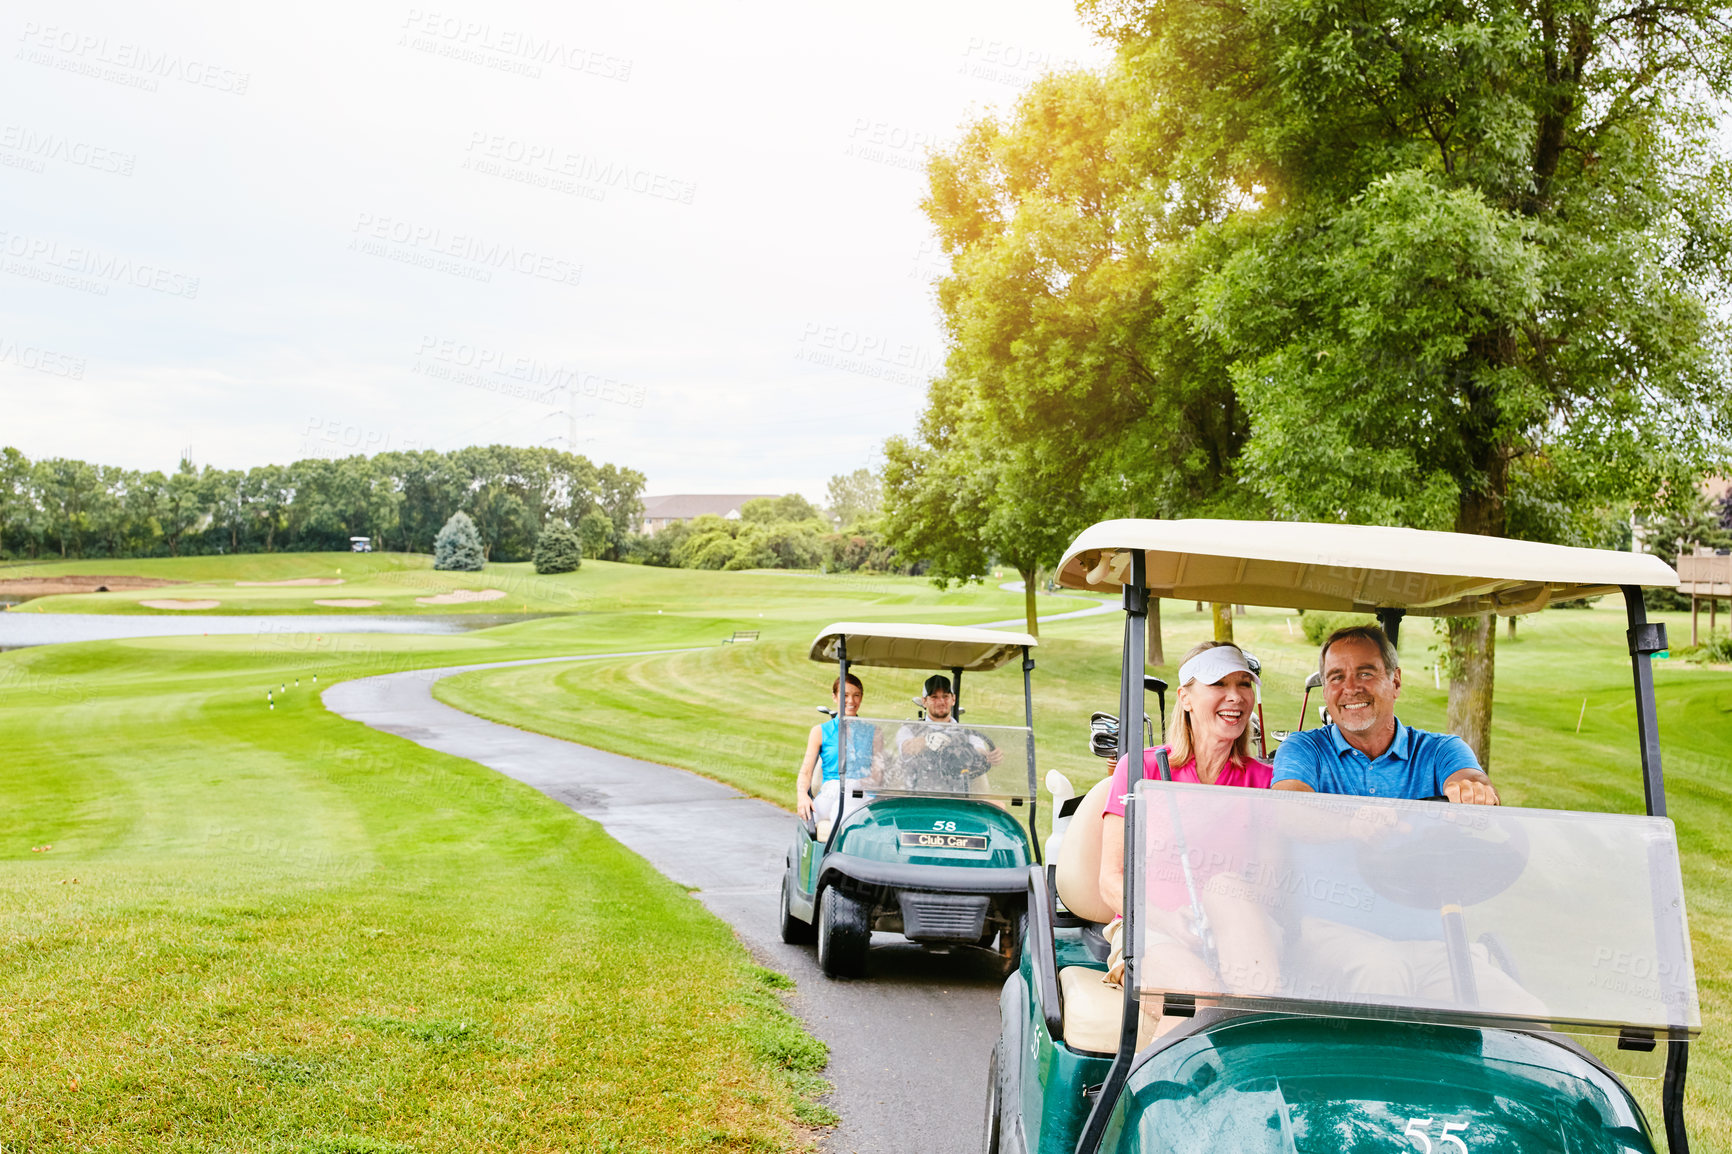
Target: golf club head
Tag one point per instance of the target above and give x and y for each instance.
(826, 710)
(1315, 681)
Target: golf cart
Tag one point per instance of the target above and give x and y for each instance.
(929, 843)
(1358, 973)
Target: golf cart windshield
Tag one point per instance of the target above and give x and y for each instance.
(1412, 911)
(944, 759)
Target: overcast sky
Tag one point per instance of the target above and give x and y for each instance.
(285, 232)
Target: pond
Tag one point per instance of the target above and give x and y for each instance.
(21, 629)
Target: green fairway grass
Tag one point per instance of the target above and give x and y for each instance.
(225, 927)
(292, 933)
(740, 713)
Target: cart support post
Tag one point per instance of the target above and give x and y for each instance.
(1390, 620)
(843, 737)
(1033, 777)
(956, 693)
(1130, 747)
(1646, 639)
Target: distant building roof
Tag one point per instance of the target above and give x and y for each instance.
(685, 506)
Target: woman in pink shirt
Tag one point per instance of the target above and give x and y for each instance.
(1208, 742)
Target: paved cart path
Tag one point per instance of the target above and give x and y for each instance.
(908, 1045)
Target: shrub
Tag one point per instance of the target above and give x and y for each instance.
(1717, 650)
(558, 549)
(458, 545)
(1319, 626)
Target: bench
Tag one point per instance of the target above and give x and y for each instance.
(741, 635)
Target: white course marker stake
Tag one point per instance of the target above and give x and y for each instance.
(1437, 675)
(1581, 715)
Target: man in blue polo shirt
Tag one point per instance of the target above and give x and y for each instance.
(1375, 948)
(1366, 750)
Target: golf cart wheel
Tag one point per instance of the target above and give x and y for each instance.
(794, 931)
(992, 1130)
(843, 935)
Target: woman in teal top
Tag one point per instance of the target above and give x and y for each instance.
(821, 751)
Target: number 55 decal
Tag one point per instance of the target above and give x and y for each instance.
(1417, 1127)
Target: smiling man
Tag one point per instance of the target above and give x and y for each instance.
(1366, 750)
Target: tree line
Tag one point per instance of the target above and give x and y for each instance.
(1452, 267)
(60, 507)
(787, 532)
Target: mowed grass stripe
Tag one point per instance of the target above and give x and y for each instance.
(288, 932)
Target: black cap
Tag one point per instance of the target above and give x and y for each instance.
(937, 683)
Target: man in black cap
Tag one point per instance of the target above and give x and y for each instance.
(937, 756)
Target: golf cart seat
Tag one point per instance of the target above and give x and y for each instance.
(1092, 1009)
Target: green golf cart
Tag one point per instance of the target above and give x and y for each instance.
(933, 841)
(1357, 973)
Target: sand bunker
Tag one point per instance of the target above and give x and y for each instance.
(348, 603)
(459, 596)
(48, 586)
(180, 604)
(297, 581)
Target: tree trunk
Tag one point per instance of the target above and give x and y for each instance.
(1029, 577)
(1473, 640)
(1472, 653)
(1223, 614)
(1156, 655)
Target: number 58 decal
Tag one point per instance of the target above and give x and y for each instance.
(1417, 1130)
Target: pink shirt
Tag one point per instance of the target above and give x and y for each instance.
(1253, 774)
(1228, 841)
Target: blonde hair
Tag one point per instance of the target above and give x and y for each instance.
(1179, 744)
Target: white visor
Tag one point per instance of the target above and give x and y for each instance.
(1212, 665)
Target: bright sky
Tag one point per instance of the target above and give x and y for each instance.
(328, 228)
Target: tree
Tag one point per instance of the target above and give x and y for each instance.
(458, 545)
(854, 498)
(962, 496)
(595, 531)
(1476, 246)
(769, 510)
(1076, 386)
(1443, 265)
(17, 503)
(619, 494)
(558, 549)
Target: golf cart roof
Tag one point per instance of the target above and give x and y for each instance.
(1350, 567)
(914, 646)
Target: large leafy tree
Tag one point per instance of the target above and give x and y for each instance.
(1076, 385)
(1473, 259)
(1389, 261)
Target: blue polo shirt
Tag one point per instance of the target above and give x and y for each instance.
(1414, 766)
